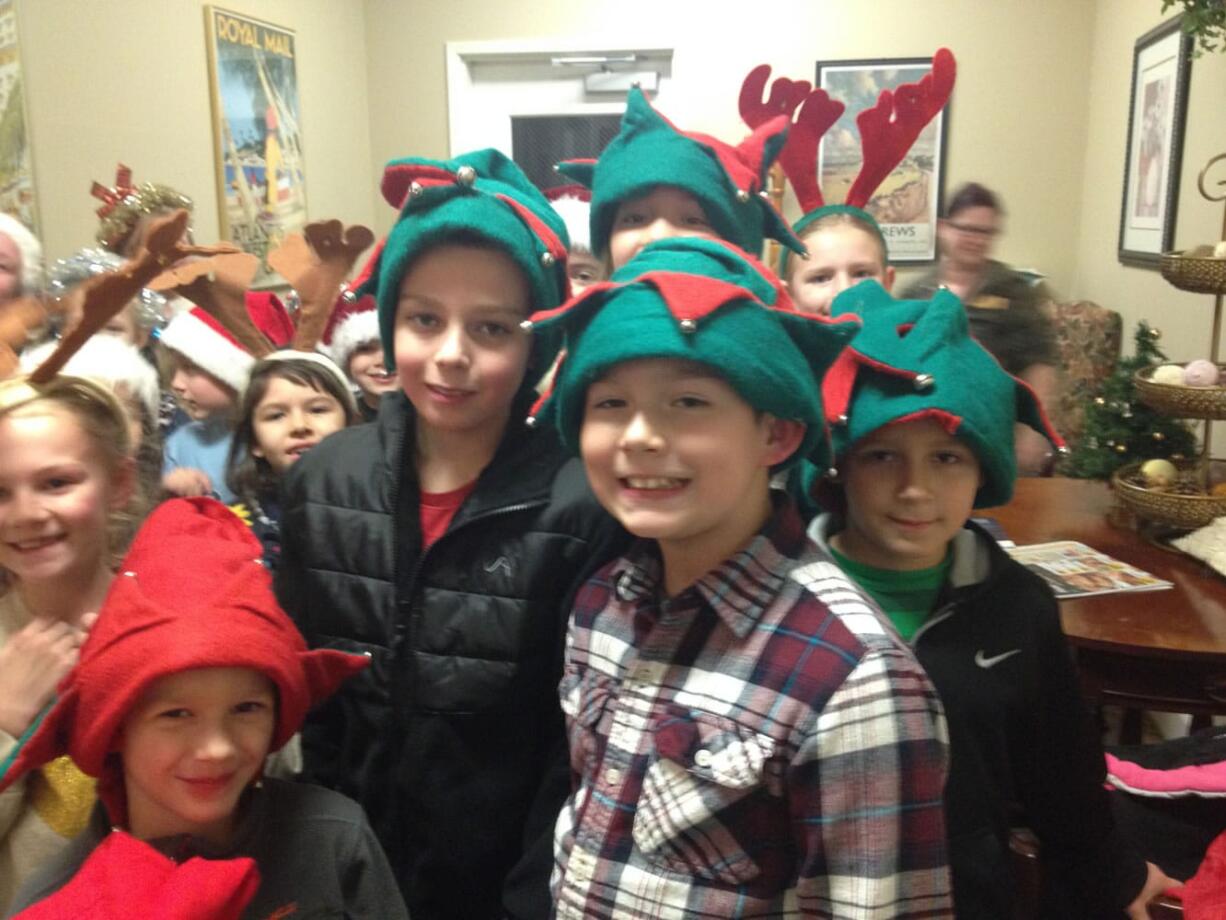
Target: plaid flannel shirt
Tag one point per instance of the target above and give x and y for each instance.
(762, 744)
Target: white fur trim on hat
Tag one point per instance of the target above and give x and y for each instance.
(31, 250)
(576, 214)
(204, 345)
(109, 360)
(291, 354)
(351, 333)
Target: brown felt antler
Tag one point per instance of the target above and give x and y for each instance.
(218, 285)
(315, 264)
(817, 112)
(889, 128)
(99, 298)
(18, 318)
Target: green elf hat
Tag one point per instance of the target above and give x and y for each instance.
(916, 359)
(704, 301)
(887, 131)
(728, 181)
(481, 194)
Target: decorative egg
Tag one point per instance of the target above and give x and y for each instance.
(1158, 473)
(1200, 373)
(1170, 374)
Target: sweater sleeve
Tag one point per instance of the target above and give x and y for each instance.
(1060, 779)
(369, 888)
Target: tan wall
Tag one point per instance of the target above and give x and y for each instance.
(128, 80)
(1185, 319)
(1019, 111)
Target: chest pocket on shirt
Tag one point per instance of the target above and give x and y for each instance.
(710, 799)
(585, 697)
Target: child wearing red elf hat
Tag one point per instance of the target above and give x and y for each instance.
(190, 677)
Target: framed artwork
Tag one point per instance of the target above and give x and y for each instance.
(261, 181)
(1157, 109)
(905, 205)
(17, 196)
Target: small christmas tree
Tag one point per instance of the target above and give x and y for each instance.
(1120, 429)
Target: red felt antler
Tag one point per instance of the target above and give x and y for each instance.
(890, 127)
(817, 112)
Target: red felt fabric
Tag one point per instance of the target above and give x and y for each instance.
(125, 878)
(1204, 896)
(191, 593)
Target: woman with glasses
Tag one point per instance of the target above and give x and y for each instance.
(1002, 305)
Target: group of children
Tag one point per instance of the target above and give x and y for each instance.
(596, 659)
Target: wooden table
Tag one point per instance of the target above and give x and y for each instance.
(1163, 650)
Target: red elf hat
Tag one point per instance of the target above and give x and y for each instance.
(191, 593)
(124, 877)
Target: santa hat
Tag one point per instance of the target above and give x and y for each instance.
(887, 131)
(704, 301)
(124, 877)
(354, 323)
(109, 360)
(29, 248)
(729, 182)
(574, 205)
(191, 593)
(202, 339)
(916, 359)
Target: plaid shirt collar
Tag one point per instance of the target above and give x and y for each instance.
(739, 589)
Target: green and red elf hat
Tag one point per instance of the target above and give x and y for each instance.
(916, 359)
(728, 181)
(887, 131)
(191, 593)
(703, 301)
(482, 194)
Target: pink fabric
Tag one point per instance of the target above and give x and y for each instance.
(1204, 779)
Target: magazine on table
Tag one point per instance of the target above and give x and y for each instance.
(1075, 570)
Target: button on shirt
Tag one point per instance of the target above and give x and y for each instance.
(762, 744)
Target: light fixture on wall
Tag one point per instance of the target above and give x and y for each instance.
(610, 77)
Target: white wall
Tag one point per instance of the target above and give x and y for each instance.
(128, 80)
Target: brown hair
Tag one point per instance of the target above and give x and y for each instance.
(973, 195)
(247, 475)
(105, 422)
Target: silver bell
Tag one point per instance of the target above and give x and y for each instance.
(349, 297)
(688, 325)
(466, 175)
(415, 189)
(742, 195)
(841, 420)
(530, 421)
(924, 381)
(547, 259)
(527, 325)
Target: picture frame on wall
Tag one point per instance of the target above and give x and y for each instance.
(906, 203)
(1157, 110)
(261, 179)
(18, 196)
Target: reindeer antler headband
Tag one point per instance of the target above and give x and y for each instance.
(887, 130)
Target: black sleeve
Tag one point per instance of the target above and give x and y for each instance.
(1061, 783)
(525, 894)
(369, 888)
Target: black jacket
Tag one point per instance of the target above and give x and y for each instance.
(1022, 747)
(453, 739)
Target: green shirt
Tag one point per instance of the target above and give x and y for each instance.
(906, 597)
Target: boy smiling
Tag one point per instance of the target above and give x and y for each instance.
(726, 689)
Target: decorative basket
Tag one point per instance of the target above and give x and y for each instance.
(1195, 270)
(1181, 401)
(1186, 512)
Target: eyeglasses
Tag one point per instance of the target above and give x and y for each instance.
(972, 230)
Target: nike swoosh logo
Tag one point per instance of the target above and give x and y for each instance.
(985, 662)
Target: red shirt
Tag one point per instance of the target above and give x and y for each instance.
(437, 510)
